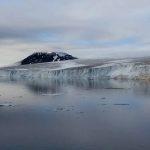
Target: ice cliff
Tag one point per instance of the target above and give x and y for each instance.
(138, 68)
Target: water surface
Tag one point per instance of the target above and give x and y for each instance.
(74, 115)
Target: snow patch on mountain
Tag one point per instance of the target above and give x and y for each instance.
(42, 57)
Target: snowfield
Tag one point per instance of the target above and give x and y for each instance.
(136, 68)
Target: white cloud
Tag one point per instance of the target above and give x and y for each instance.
(93, 27)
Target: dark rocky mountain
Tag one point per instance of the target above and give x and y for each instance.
(41, 57)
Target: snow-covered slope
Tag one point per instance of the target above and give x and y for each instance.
(138, 68)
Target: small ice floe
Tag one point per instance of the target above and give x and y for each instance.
(64, 108)
(59, 109)
(52, 94)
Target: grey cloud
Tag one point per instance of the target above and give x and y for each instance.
(78, 25)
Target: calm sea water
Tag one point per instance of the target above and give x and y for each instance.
(74, 115)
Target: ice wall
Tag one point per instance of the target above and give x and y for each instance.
(110, 70)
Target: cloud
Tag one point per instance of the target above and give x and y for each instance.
(81, 25)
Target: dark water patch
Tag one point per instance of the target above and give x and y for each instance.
(6, 105)
(122, 104)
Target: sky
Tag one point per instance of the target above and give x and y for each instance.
(83, 28)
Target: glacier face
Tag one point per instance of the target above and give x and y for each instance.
(138, 68)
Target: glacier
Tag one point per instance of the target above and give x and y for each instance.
(133, 68)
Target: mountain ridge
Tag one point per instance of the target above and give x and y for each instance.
(42, 57)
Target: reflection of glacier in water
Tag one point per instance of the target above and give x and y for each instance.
(56, 86)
